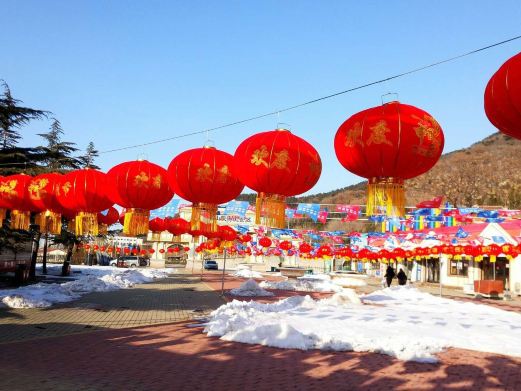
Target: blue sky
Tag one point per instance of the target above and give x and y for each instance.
(120, 73)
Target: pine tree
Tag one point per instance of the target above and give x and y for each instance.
(90, 154)
(13, 117)
(58, 153)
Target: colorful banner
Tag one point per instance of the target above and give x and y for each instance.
(236, 208)
(322, 216)
(310, 210)
(169, 210)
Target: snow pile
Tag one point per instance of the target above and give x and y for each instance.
(349, 281)
(250, 288)
(311, 283)
(246, 273)
(91, 279)
(399, 321)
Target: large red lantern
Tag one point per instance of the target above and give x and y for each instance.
(503, 97)
(106, 218)
(43, 190)
(139, 186)
(227, 233)
(285, 245)
(205, 177)
(157, 225)
(276, 164)
(305, 248)
(388, 144)
(84, 192)
(14, 192)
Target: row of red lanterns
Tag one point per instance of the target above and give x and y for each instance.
(128, 250)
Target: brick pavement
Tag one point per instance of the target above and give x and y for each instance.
(176, 357)
(176, 298)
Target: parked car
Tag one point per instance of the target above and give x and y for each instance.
(210, 264)
(129, 261)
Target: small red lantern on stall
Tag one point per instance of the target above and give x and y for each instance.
(305, 248)
(285, 245)
(265, 242)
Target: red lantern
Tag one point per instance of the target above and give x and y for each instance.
(157, 225)
(227, 233)
(204, 176)
(109, 216)
(151, 251)
(84, 192)
(103, 248)
(285, 245)
(42, 192)
(126, 250)
(265, 242)
(86, 247)
(305, 248)
(138, 186)
(186, 249)
(387, 144)
(324, 251)
(177, 226)
(95, 247)
(14, 192)
(503, 97)
(245, 238)
(276, 164)
(162, 251)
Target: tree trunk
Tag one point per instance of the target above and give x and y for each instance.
(67, 261)
(34, 254)
(44, 257)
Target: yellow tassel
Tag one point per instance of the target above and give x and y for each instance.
(386, 195)
(20, 219)
(2, 216)
(136, 222)
(102, 229)
(86, 224)
(492, 258)
(205, 214)
(49, 222)
(270, 210)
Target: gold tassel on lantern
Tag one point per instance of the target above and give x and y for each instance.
(386, 194)
(270, 210)
(2, 216)
(102, 229)
(206, 214)
(20, 219)
(49, 222)
(136, 222)
(86, 224)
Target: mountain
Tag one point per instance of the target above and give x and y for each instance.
(486, 173)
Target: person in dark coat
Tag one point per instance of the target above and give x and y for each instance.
(389, 275)
(402, 277)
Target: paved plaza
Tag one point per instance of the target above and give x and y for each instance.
(147, 338)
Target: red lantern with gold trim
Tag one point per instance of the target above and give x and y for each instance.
(276, 164)
(388, 144)
(106, 218)
(177, 226)
(43, 191)
(139, 186)
(503, 97)
(84, 192)
(14, 192)
(205, 177)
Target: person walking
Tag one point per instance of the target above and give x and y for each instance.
(389, 275)
(402, 277)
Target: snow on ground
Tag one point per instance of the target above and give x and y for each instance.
(399, 321)
(91, 279)
(303, 285)
(349, 281)
(247, 273)
(250, 288)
